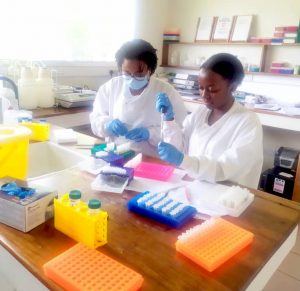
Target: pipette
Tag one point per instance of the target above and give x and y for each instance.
(163, 110)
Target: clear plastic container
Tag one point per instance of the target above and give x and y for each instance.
(27, 90)
(122, 148)
(109, 183)
(35, 71)
(174, 58)
(75, 196)
(183, 59)
(45, 89)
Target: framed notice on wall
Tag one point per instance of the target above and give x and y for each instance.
(205, 28)
(223, 28)
(241, 28)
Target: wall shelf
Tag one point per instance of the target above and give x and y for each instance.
(261, 50)
(232, 43)
(214, 43)
(194, 68)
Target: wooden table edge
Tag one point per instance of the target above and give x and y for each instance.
(276, 199)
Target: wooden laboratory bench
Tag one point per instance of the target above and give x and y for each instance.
(57, 111)
(149, 247)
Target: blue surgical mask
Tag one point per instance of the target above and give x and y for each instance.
(135, 84)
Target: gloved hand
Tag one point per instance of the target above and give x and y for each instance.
(164, 106)
(116, 127)
(169, 153)
(138, 134)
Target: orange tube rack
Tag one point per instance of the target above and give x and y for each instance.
(213, 242)
(81, 268)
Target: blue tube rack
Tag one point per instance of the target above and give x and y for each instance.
(160, 207)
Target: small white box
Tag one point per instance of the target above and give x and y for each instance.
(26, 214)
(64, 136)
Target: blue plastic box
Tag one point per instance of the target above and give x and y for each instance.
(160, 207)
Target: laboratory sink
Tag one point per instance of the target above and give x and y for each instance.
(48, 158)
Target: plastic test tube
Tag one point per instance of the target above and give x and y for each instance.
(122, 148)
(74, 196)
(110, 147)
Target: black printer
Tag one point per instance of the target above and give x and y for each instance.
(280, 180)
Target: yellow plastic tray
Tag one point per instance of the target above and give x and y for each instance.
(75, 222)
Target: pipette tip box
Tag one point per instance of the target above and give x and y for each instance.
(80, 268)
(160, 207)
(213, 242)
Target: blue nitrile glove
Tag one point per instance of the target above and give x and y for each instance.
(169, 153)
(116, 127)
(13, 189)
(138, 134)
(164, 106)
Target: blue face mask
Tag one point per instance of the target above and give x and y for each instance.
(135, 84)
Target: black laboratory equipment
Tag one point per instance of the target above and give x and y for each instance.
(280, 180)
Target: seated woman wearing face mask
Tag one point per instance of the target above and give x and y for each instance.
(221, 140)
(124, 108)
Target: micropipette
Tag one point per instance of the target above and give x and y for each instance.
(163, 110)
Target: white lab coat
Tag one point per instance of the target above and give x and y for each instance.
(230, 149)
(114, 100)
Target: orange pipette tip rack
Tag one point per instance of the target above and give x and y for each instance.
(82, 268)
(213, 242)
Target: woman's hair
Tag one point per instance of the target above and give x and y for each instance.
(138, 49)
(226, 65)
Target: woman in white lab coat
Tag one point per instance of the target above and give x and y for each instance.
(222, 140)
(124, 108)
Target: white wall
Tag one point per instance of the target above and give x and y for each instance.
(269, 13)
(152, 18)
